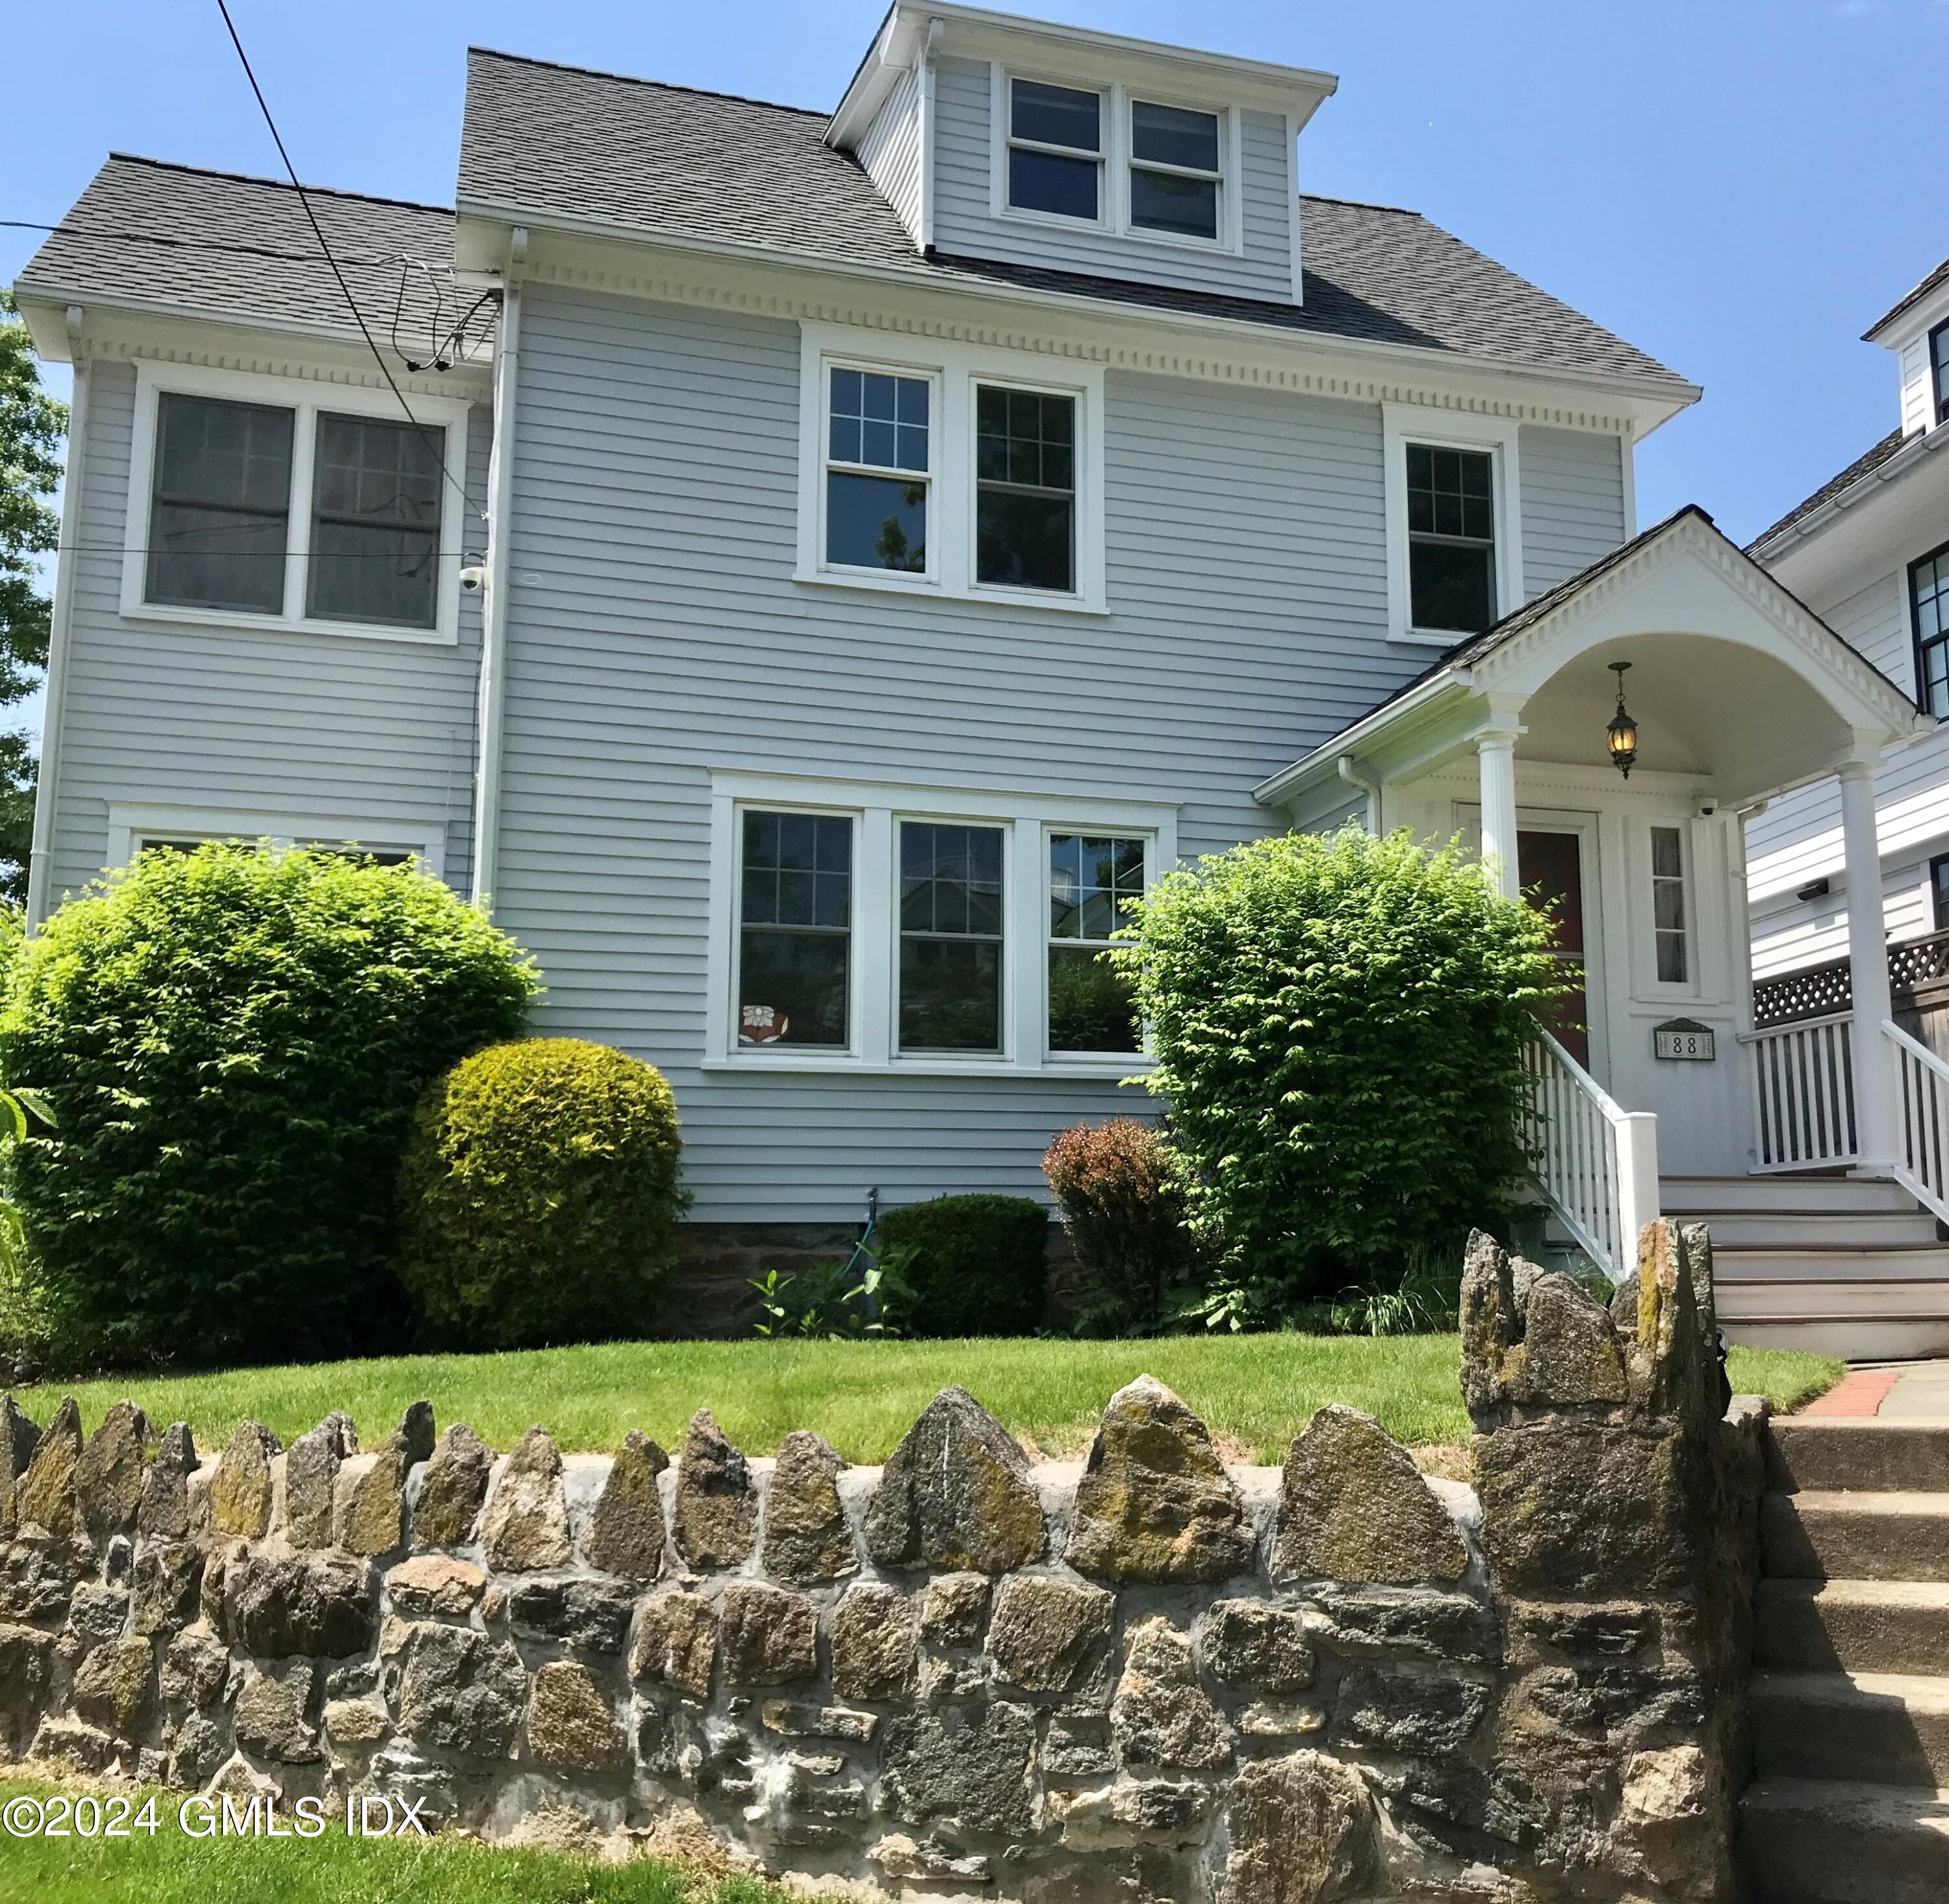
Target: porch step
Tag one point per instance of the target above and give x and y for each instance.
(1821, 1534)
(1900, 1626)
(1867, 1454)
(1765, 1229)
(1689, 1196)
(1891, 1334)
(1809, 1841)
(1836, 1262)
(1836, 1725)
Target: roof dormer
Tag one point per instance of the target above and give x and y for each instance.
(1046, 146)
(1917, 330)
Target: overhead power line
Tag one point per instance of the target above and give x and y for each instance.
(324, 245)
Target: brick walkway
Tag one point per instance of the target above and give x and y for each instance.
(1861, 1392)
(1890, 1392)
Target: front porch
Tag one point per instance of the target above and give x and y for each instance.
(1818, 1148)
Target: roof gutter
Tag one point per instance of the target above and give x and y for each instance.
(1673, 391)
(1346, 743)
(494, 618)
(1924, 443)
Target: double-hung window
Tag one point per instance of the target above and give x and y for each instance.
(878, 469)
(1451, 538)
(1089, 880)
(951, 937)
(1176, 170)
(1929, 609)
(1024, 489)
(324, 510)
(1055, 151)
(1667, 905)
(794, 930)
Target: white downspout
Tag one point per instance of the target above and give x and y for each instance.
(1348, 773)
(40, 860)
(930, 46)
(494, 615)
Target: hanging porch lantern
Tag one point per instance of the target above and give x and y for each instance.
(1622, 736)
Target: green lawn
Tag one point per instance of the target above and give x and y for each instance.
(169, 1868)
(1256, 1391)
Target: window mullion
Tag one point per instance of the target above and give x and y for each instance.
(298, 531)
(1026, 863)
(875, 935)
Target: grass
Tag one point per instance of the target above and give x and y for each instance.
(1256, 1391)
(171, 1868)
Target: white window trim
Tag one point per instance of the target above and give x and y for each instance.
(1402, 424)
(877, 809)
(153, 381)
(956, 369)
(128, 822)
(1650, 985)
(1113, 199)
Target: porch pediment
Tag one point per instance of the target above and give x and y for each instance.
(1734, 682)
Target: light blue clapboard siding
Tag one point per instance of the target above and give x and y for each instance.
(963, 222)
(889, 150)
(1573, 502)
(311, 726)
(656, 633)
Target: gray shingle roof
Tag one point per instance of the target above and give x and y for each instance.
(1860, 467)
(640, 155)
(145, 232)
(1908, 298)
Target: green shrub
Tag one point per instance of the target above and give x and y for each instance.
(232, 1041)
(978, 1265)
(539, 1198)
(1339, 1023)
(1120, 1192)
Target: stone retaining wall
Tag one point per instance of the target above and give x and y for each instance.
(1146, 1676)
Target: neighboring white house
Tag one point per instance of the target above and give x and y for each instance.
(906, 530)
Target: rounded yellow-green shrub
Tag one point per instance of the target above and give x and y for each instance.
(540, 1198)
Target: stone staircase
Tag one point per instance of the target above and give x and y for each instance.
(1850, 1696)
(1839, 1265)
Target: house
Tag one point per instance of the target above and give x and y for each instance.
(901, 531)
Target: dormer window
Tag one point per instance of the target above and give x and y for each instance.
(1175, 170)
(1055, 151)
(1938, 369)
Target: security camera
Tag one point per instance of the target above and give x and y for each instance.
(1707, 808)
(473, 578)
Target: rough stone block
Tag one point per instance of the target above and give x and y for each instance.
(806, 1539)
(194, 1671)
(1154, 1502)
(525, 1529)
(955, 1494)
(590, 1615)
(1044, 1631)
(1571, 1357)
(875, 1641)
(1300, 1831)
(676, 1641)
(114, 1686)
(1255, 1644)
(168, 1586)
(240, 1491)
(44, 1496)
(162, 1513)
(766, 1636)
(716, 1507)
(460, 1691)
(273, 1716)
(1427, 1622)
(1432, 1715)
(570, 1723)
(432, 1586)
(963, 1769)
(954, 1609)
(625, 1533)
(108, 1475)
(1159, 1714)
(453, 1489)
(310, 1475)
(1352, 1506)
(318, 1604)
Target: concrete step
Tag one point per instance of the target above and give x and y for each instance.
(1906, 1456)
(1739, 1229)
(1851, 1625)
(1699, 1196)
(1885, 1728)
(1819, 1534)
(1806, 1841)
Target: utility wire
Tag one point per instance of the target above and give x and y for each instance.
(318, 232)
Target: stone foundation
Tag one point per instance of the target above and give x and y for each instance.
(1149, 1676)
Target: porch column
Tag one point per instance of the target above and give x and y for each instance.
(1867, 960)
(1496, 754)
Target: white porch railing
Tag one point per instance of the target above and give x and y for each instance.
(1596, 1163)
(1803, 1077)
(1922, 1104)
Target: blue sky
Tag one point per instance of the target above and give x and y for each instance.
(1739, 187)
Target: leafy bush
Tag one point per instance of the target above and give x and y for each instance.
(845, 1298)
(232, 1041)
(1120, 1192)
(1339, 1023)
(539, 1197)
(978, 1265)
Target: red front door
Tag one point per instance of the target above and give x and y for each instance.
(1550, 867)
